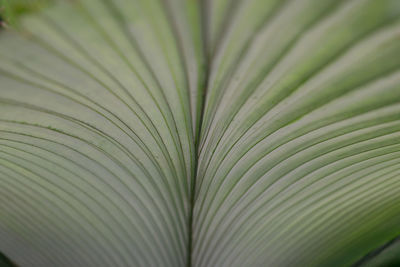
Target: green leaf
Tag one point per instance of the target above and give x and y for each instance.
(386, 255)
(12, 10)
(199, 133)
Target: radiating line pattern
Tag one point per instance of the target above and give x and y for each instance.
(299, 156)
(200, 133)
(99, 109)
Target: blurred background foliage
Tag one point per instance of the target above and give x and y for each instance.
(10, 10)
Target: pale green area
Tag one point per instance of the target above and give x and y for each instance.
(132, 136)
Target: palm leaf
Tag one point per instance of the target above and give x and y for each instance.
(200, 133)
